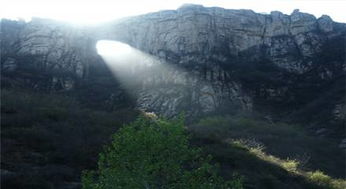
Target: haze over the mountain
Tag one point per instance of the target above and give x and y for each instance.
(95, 11)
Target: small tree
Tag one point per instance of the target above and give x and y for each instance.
(154, 153)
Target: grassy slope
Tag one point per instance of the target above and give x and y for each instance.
(245, 145)
(264, 172)
(282, 140)
(47, 139)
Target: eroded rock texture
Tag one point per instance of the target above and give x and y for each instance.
(224, 60)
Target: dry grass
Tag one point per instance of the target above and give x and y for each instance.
(321, 179)
(290, 165)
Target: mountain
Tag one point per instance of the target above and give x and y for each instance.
(197, 60)
(282, 65)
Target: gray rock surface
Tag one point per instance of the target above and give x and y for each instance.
(6, 175)
(204, 43)
(343, 144)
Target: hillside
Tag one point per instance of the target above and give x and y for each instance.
(278, 80)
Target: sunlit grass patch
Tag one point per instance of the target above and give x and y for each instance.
(321, 179)
(281, 140)
(288, 147)
(290, 165)
(257, 149)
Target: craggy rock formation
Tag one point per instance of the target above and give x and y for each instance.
(226, 60)
(47, 46)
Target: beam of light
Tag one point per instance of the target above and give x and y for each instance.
(143, 74)
(122, 58)
(129, 65)
(112, 48)
(161, 86)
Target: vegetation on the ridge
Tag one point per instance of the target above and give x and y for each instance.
(244, 141)
(293, 166)
(48, 139)
(280, 139)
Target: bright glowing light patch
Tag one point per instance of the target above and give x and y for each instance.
(112, 48)
(135, 69)
(96, 11)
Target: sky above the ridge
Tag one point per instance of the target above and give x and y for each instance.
(96, 11)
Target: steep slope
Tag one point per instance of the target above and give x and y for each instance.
(242, 58)
(48, 139)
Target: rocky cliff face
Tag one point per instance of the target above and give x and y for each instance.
(226, 60)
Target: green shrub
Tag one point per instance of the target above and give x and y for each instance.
(321, 179)
(154, 153)
(290, 165)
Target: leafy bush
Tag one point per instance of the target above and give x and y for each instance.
(154, 153)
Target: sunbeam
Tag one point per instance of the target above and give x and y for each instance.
(153, 81)
(142, 74)
(129, 65)
(112, 48)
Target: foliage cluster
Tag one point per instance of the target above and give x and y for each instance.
(154, 153)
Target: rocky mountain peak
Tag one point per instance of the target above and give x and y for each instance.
(229, 59)
(325, 23)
